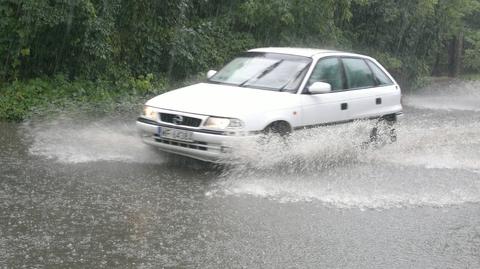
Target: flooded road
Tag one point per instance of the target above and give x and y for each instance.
(86, 193)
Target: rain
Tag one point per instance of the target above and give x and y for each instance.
(79, 188)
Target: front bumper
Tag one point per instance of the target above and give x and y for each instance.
(207, 145)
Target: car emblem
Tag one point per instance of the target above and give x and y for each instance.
(177, 119)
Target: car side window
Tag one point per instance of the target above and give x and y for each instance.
(380, 76)
(328, 70)
(358, 73)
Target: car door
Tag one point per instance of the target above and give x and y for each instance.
(327, 107)
(372, 92)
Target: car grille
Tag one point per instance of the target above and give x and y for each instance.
(180, 119)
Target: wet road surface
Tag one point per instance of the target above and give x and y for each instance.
(85, 193)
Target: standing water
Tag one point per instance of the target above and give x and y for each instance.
(88, 193)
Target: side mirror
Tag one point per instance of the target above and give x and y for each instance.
(320, 87)
(211, 73)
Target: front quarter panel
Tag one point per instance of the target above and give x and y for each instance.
(258, 122)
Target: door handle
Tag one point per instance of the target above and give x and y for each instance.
(343, 106)
(378, 101)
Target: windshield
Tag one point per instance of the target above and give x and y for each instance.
(268, 71)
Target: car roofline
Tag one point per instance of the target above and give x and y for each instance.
(305, 52)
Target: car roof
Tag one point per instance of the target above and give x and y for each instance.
(305, 52)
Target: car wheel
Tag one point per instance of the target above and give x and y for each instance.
(383, 132)
(280, 128)
(276, 131)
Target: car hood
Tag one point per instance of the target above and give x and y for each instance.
(223, 100)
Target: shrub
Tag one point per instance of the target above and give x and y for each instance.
(41, 96)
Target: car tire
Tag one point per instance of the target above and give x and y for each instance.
(383, 132)
(279, 130)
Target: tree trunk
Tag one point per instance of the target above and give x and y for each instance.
(436, 66)
(455, 55)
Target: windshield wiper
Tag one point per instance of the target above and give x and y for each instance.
(263, 73)
(297, 75)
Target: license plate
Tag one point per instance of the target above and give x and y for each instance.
(175, 134)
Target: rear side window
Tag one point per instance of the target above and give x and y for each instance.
(329, 71)
(380, 76)
(358, 73)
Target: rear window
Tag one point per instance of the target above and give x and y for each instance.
(380, 76)
(358, 73)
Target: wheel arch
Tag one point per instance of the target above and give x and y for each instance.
(285, 125)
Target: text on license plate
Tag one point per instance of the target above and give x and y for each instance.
(175, 134)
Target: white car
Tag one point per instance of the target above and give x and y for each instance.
(266, 90)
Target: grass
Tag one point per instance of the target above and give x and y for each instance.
(21, 100)
(470, 76)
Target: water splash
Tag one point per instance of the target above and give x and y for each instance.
(415, 171)
(77, 141)
(435, 162)
(447, 95)
(303, 150)
(362, 186)
(444, 147)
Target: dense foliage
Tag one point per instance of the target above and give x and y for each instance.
(58, 95)
(123, 40)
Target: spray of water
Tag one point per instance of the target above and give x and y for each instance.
(303, 151)
(424, 167)
(75, 141)
(447, 95)
(435, 162)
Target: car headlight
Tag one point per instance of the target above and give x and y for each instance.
(149, 113)
(223, 123)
